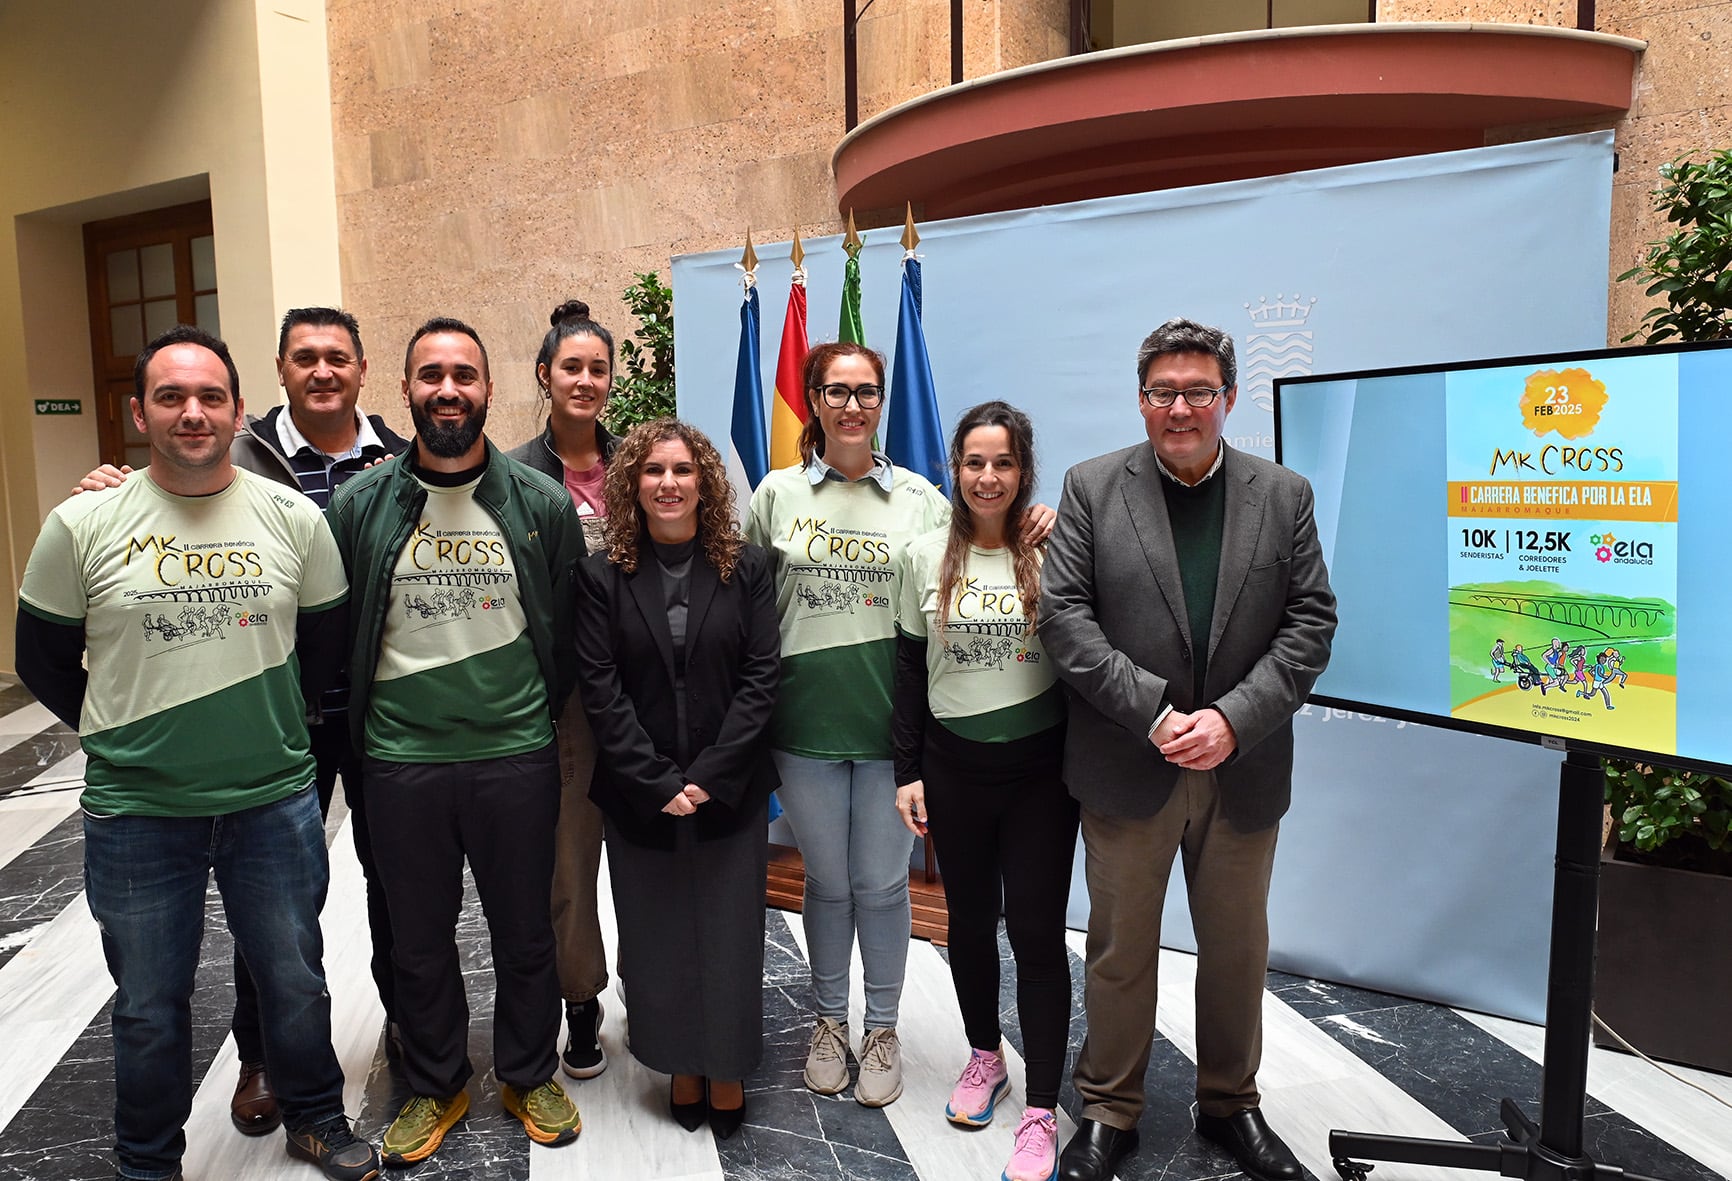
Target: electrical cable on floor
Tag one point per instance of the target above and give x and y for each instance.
(36, 789)
(1659, 1066)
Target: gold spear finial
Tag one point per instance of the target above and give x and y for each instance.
(910, 236)
(798, 253)
(852, 242)
(749, 260)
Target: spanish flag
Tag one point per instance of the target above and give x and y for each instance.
(788, 407)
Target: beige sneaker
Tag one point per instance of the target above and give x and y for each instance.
(880, 1068)
(827, 1058)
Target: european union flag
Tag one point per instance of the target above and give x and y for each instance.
(748, 451)
(916, 436)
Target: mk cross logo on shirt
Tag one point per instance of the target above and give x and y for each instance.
(821, 544)
(210, 572)
(978, 600)
(845, 570)
(447, 574)
(454, 549)
(206, 577)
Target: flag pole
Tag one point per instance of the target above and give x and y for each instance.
(748, 451)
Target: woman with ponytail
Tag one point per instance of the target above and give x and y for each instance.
(837, 525)
(575, 372)
(979, 741)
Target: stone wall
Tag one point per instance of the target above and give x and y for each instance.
(1683, 104)
(494, 161)
(1505, 12)
(1683, 107)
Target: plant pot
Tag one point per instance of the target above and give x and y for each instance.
(1664, 969)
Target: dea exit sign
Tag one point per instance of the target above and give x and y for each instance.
(59, 406)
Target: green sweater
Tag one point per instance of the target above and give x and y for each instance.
(1198, 514)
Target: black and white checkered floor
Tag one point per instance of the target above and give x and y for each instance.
(1334, 1056)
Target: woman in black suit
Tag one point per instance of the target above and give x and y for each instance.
(678, 662)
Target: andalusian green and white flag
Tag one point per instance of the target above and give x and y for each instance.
(851, 329)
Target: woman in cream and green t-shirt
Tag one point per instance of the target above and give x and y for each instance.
(837, 525)
(979, 740)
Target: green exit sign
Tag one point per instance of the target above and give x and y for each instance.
(59, 406)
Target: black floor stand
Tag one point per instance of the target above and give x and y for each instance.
(1552, 1151)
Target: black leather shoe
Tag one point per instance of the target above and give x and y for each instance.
(689, 1116)
(1253, 1144)
(1094, 1153)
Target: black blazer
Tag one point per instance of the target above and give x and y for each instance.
(626, 680)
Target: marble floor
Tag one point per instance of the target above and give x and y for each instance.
(1334, 1057)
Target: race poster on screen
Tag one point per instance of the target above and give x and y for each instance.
(1563, 560)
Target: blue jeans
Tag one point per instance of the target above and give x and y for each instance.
(856, 852)
(145, 879)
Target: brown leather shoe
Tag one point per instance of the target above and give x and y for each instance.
(254, 1107)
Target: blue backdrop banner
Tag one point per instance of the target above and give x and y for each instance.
(1415, 861)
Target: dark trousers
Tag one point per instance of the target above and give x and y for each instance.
(1004, 827)
(334, 755)
(500, 815)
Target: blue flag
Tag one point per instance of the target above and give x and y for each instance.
(916, 436)
(748, 448)
(748, 445)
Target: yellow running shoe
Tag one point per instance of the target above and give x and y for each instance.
(420, 1127)
(548, 1114)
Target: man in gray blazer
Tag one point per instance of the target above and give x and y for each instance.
(1186, 605)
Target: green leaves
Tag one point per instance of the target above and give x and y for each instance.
(1691, 267)
(1655, 805)
(643, 385)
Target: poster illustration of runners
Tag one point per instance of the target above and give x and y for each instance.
(1563, 560)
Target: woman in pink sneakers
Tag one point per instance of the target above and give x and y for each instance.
(979, 734)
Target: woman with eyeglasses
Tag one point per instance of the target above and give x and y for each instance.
(837, 524)
(575, 372)
(979, 741)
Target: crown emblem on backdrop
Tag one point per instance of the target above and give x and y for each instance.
(1278, 345)
(1282, 312)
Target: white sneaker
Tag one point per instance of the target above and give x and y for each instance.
(827, 1058)
(880, 1068)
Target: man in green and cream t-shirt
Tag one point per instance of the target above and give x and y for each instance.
(209, 603)
(460, 659)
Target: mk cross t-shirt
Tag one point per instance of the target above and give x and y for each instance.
(188, 605)
(987, 677)
(457, 678)
(838, 547)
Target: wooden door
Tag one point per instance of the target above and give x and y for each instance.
(145, 273)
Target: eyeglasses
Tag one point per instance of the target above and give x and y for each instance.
(1197, 398)
(836, 396)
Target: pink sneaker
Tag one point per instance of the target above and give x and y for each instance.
(983, 1083)
(1035, 1157)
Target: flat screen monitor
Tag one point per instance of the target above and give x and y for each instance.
(1538, 548)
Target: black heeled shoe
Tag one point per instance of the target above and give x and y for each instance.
(725, 1121)
(689, 1116)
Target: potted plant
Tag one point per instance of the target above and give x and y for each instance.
(643, 388)
(1665, 942)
